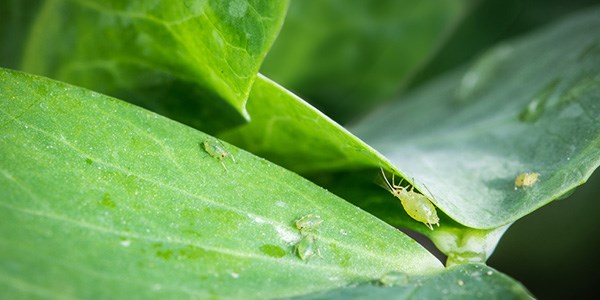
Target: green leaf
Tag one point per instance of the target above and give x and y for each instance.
(292, 133)
(116, 47)
(472, 281)
(346, 56)
(101, 199)
(530, 105)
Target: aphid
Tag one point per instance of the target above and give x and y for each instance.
(215, 149)
(526, 179)
(308, 226)
(416, 205)
(309, 223)
(394, 278)
(307, 247)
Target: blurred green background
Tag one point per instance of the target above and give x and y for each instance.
(347, 56)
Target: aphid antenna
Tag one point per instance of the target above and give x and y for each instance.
(428, 191)
(399, 186)
(390, 186)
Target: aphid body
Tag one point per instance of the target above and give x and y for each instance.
(416, 205)
(216, 150)
(308, 226)
(526, 179)
(307, 247)
(309, 223)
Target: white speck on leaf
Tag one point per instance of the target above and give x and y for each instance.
(286, 235)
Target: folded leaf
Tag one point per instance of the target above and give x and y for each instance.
(291, 132)
(101, 199)
(528, 106)
(116, 46)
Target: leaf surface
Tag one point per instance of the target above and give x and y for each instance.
(531, 105)
(472, 281)
(115, 46)
(101, 199)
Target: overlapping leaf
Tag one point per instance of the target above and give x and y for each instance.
(292, 133)
(132, 48)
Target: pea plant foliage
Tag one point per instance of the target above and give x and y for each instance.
(143, 153)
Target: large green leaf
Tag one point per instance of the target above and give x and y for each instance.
(346, 56)
(102, 199)
(119, 47)
(531, 105)
(471, 281)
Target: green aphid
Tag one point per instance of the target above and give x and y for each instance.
(216, 149)
(309, 223)
(416, 205)
(307, 247)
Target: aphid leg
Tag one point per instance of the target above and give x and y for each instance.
(222, 164)
(431, 197)
(399, 185)
(430, 193)
(412, 186)
(429, 225)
